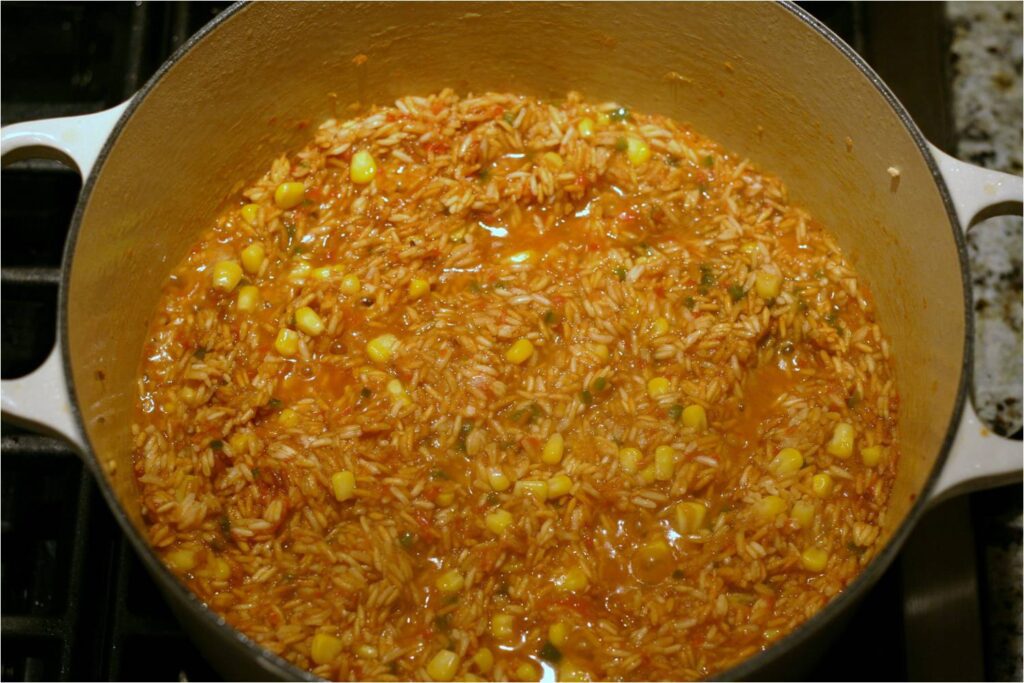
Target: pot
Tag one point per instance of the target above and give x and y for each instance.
(765, 80)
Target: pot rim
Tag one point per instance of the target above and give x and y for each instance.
(744, 669)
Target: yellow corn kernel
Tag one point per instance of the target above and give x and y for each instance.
(362, 168)
(572, 672)
(220, 570)
(768, 285)
(498, 521)
(660, 326)
(637, 151)
(841, 444)
(770, 507)
(601, 351)
(350, 284)
(603, 120)
(559, 485)
(629, 459)
(226, 275)
(307, 320)
(288, 418)
(497, 479)
(322, 273)
(444, 664)
(688, 517)
(695, 417)
(182, 559)
(520, 351)
(553, 449)
(526, 256)
(871, 455)
(664, 462)
(484, 660)
(367, 651)
(554, 160)
(287, 342)
(300, 271)
(189, 395)
(532, 487)
(822, 485)
(325, 648)
(398, 392)
(788, 461)
(557, 633)
(502, 626)
(251, 213)
(289, 195)
(252, 257)
(814, 559)
(585, 127)
(248, 298)
(418, 287)
(445, 499)
(239, 442)
(381, 349)
(343, 485)
(658, 386)
(572, 581)
(803, 514)
(450, 582)
(527, 672)
(647, 474)
(749, 248)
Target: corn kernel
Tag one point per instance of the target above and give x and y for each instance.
(287, 342)
(343, 485)
(381, 349)
(822, 485)
(637, 151)
(770, 507)
(788, 461)
(226, 275)
(350, 285)
(559, 485)
(527, 672)
(688, 517)
(532, 487)
(841, 444)
(450, 582)
(664, 462)
(585, 127)
(367, 651)
(362, 168)
(248, 298)
(558, 633)
(484, 660)
(749, 248)
(768, 285)
(289, 195)
(300, 271)
(220, 570)
(498, 521)
(398, 392)
(660, 326)
(322, 273)
(252, 257)
(554, 160)
(553, 449)
(189, 395)
(288, 418)
(871, 455)
(658, 386)
(251, 213)
(239, 442)
(325, 648)
(502, 626)
(444, 664)
(601, 351)
(182, 559)
(814, 559)
(526, 256)
(520, 351)
(572, 581)
(803, 514)
(445, 499)
(629, 459)
(603, 120)
(307, 320)
(695, 417)
(418, 287)
(572, 672)
(497, 479)
(647, 474)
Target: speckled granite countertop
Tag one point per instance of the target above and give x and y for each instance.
(986, 45)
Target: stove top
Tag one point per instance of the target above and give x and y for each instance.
(77, 604)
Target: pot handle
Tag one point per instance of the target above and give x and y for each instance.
(41, 400)
(979, 458)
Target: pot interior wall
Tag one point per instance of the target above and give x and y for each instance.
(752, 76)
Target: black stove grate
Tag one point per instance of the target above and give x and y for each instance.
(76, 603)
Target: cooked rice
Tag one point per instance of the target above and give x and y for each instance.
(251, 524)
